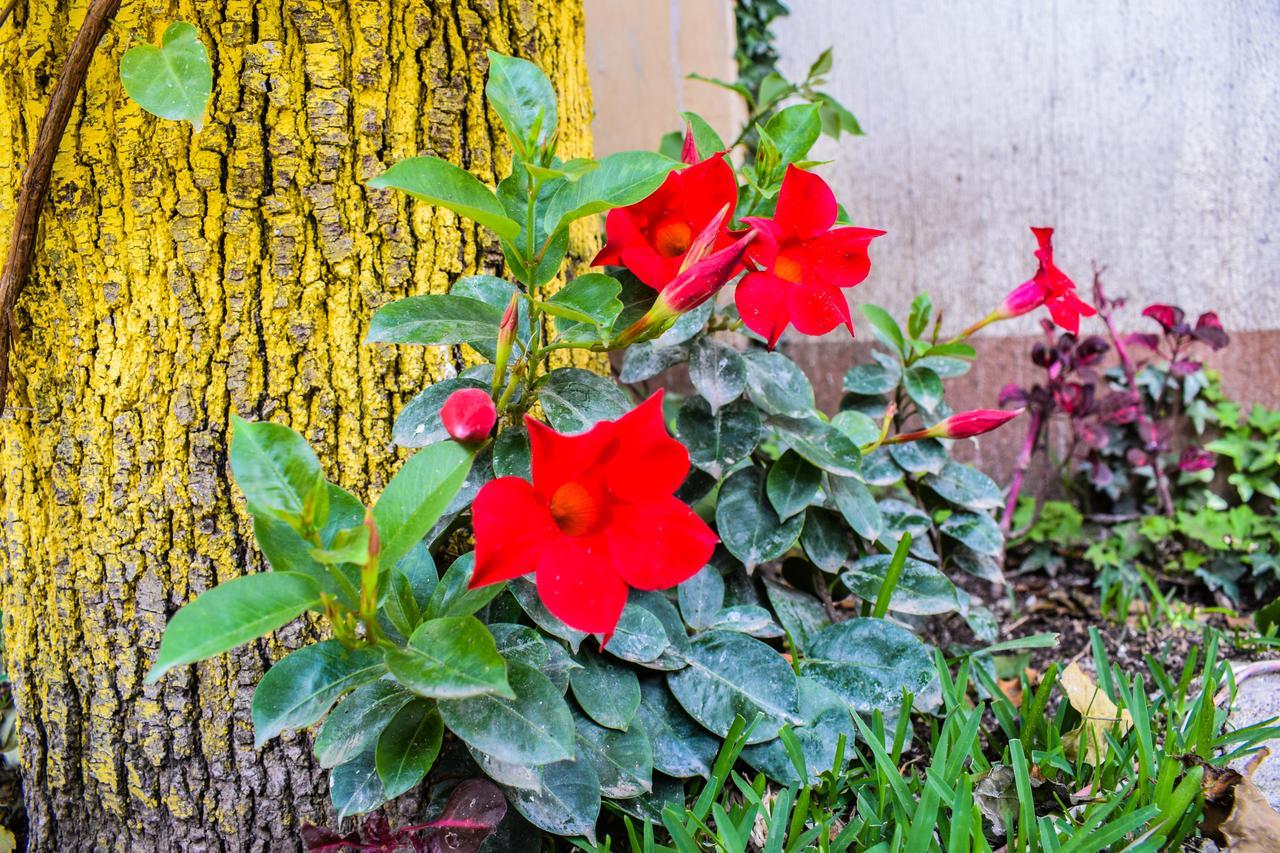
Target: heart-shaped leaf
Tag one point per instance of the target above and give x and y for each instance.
(174, 80)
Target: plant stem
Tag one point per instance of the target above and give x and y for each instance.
(1024, 462)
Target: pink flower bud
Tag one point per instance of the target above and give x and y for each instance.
(507, 328)
(469, 415)
(1026, 297)
(689, 151)
(375, 541)
(976, 422)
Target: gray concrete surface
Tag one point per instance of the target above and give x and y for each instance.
(1258, 701)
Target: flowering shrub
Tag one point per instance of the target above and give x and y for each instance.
(768, 517)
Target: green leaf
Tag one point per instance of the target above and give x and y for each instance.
(857, 426)
(354, 786)
(821, 443)
(718, 440)
(639, 636)
(524, 645)
(443, 184)
(921, 589)
(826, 539)
(869, 662)
(826, 719)
(885, 328)
(702, 597)
(620, 179)
(438, 319)
(522, 97)
(921, 312)
(794, 130)
(622, 760)
(731, 674)
(717, 372)
(857, 505)
(302, 686)
(359, 719)
(450, 658)
(586, 307)
(173, 81)
(287, 551)
(567, 801)
(608, 693)
(533, 728)
(821, 65)
(645, 360)
(408, 746)
(965, 486)
(575, 400)
(453, 595)
(777, 385)
(924, 386)
(927, 456)
(978, 531)
(418, 495)
(275, 468)
(526, 593)
(801, 614)
(495, 292)
(748, 525)
(511, 455)
(705, 138)
(871, 379)
(792, 484)
(418, 423)
(231, 614)
(680, 746)
(657, 603)
(412, 581)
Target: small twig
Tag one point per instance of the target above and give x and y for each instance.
(35, 178)
(1263, 667)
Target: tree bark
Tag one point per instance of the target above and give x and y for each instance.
(180, 279)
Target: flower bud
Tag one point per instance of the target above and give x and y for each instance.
(375, 542)
(961, 425)
(689, 151)
(506, 337)
(469, 415)
(1026, 297)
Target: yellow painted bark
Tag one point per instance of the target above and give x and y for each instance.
(181, 279)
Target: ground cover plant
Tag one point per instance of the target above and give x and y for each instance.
(679, 620)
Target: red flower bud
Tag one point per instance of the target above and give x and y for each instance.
(469, 415)
(507, 328)
(375, 541)
(689, 151)
(976, 422)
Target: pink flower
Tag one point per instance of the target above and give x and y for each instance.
(1049, 287)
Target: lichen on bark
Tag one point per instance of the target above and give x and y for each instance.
(179, 280)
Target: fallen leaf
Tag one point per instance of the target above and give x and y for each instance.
(996, 794)
(1098, 716)
(1253, 826)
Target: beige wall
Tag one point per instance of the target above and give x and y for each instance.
(638, 53)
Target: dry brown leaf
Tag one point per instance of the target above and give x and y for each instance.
(1099, 715)
(1012, 689)
(1253, 826)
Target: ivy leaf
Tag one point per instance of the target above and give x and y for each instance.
(718, 440)
(576, 400)
(301, 688)
(748, 525)
(731, 674)
(441, 183)
(869, 662)
(231, 614)
(535, 727)
(174, 80)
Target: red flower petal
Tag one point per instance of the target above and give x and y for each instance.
(761, 299)
(806, 205)
(816, 308)
(651, 267)
(659, 544)
(513, 528)
(643, 460)
(705, 188)
(577, 583)
(558, 459)
(840, 256)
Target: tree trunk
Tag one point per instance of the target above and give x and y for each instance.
(180, 279)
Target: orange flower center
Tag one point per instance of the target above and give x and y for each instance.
(575, 510)
(672, 238)
(787, 267)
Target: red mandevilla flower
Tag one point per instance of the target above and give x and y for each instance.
(961, 425)
(652, 236)
(804, 263)
(469, 415)
(1049, 287)
(600, 516)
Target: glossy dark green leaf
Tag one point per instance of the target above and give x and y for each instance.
(921, 589)
(680, 746)
(418, 423)
(441, 183)
(856, 504)
(639, 636)
(646, 360)
(976, 530)
(355, 787)
(438, 320)
(667, 792)
(826, 719)
(575, 400)
(901, 517)
(657, 603)
(525, 645)
(717, 371)
(410, 586)
(801, 614)
(821, 443)
(794, 130)
(886, 328)
(172, 81)
(275, 468)
(945, 366)
(511, 457)
(526, 593)
(687, 326)
(926, 456)
(702, 597)
(586, 308)
(718, 440)
(619, 179)
(452, 595)
(731, 674)
(748, 525)
(777, 385)
(521, 95)
(746, 619)
(982, 566)
(607, 692)
(825, 539)
(879, 469)
(705, 138)
(301, 688)
(965, 486)
(923, 386)
(418, 495)
(623, 760)
(871, 379)
(408, 746)
(450, 658)
(231, 614)
(567, 801)
(533, 728)
(496, 292)
(920, 314)
(869, 662)
(357, 721)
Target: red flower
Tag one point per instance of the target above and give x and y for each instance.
(961, 425)
(651, 237)
(469, 415)
(804, 261)
(600, 516)
(1049, 287)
